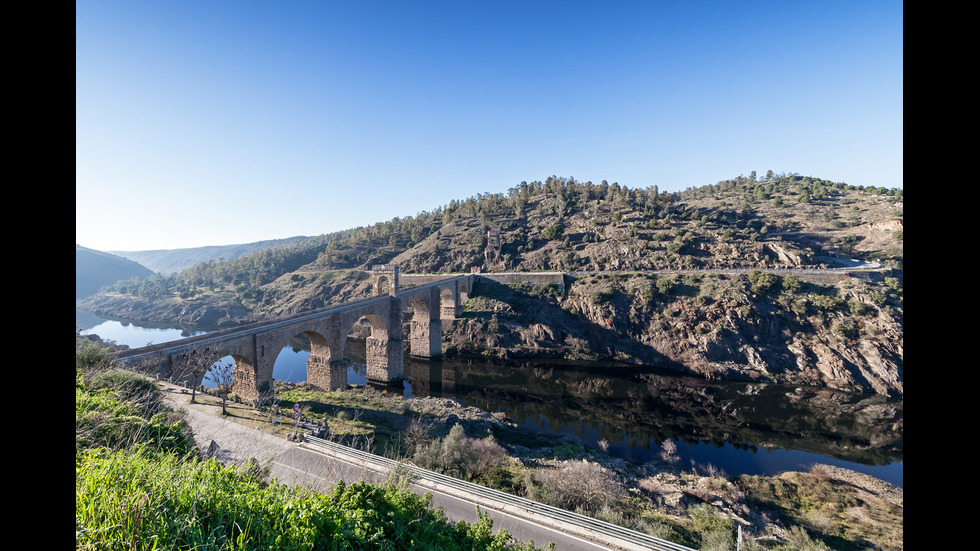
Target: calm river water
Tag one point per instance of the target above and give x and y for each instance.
(739, 428)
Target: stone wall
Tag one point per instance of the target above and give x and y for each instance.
(538, 279)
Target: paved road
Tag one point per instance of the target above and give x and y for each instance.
(293, 464)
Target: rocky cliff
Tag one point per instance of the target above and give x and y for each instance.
(847, 335)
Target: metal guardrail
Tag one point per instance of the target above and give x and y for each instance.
(585, 526)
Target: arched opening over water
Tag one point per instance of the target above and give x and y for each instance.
(366, 350)
(237, 376)
(308, 358)
(447, 304)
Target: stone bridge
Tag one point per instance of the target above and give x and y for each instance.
(254, 348)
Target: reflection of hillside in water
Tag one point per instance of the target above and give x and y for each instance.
(647, 407)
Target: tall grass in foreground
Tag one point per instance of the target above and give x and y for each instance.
(132, 499)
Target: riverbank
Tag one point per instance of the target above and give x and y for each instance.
(661, 497)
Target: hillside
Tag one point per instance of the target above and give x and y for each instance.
(171, 261)
(840, 331)
(96, 269)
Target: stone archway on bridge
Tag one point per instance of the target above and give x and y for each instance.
(247, 384)
(323, 371)
(382, 356)
(385, 279)
(425, 335)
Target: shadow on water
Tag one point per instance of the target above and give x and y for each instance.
(752, 428)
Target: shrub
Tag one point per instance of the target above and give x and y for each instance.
(461, 457)
(418, 435)
(716, 530)
(762, 282)
(846, 329)
(489, 456)
(579, 486)
(857, 308)
(553, 232)
(90, 357)
(791, 284)
(825, 303)
(602, 296)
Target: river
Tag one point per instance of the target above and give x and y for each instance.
(737, 427)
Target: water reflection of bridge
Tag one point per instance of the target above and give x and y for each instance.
(254, 348)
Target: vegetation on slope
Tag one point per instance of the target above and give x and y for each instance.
(563, 224)
(140, 484)
(759, 325)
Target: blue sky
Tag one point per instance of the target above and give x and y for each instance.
(221, 122)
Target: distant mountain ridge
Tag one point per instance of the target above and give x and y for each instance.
(171, 261)
(96, 269)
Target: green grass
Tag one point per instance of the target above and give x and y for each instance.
(141, 484)
(135, 499)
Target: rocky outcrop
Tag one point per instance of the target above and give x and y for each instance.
(717, 328)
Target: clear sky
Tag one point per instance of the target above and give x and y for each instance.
(224, 122)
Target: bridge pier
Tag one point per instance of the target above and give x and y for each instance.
(325, 374)
(426, 340)
(385, 360)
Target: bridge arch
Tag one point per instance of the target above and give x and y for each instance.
(238, 372)
(425, 333)
(449, 304)
(382, 356)
(248, 385)
(324, 365)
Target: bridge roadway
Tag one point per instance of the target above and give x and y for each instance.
(319, 464)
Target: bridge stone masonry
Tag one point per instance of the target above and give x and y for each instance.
(254, 348)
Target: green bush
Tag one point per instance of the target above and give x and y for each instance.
(90, 357)
(762, 282)
(461, 457)
(716, 531)
(825, 303)
(553, 232)
(791, 284)
(846, 329)
(857, 308)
